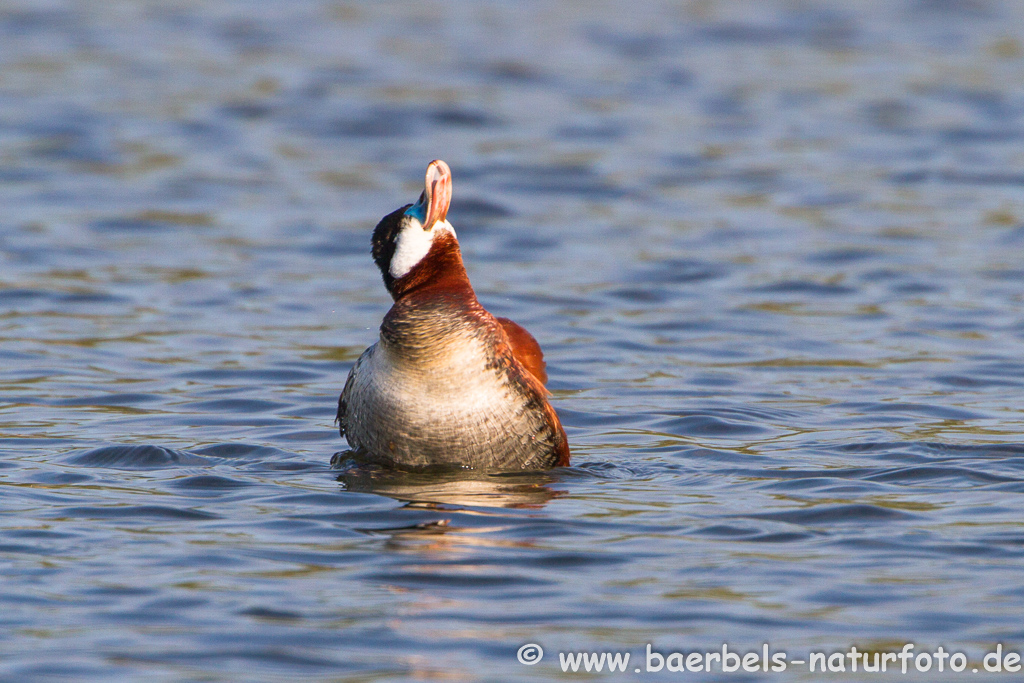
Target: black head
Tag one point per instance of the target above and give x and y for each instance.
(385, 237)
(404, 238)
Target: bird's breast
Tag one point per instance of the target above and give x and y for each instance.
(435, 408)
(437, 383)
(441, 388)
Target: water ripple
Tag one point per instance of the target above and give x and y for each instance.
(774, 269)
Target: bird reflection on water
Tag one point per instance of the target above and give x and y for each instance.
(462, 488)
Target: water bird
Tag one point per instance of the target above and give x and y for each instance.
(447, 385)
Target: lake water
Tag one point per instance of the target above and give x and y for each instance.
(774, 253)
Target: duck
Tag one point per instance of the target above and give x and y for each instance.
(447, 385)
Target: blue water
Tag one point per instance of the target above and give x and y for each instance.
(773, 253)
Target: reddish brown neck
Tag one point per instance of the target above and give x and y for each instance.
(440, 269)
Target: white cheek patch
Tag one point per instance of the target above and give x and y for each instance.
(412, 245)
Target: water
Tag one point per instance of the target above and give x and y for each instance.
(772, 252)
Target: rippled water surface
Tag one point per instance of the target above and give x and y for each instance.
(774, 253)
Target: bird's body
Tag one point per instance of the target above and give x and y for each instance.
(448, 385)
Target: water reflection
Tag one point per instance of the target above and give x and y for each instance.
(468, 489)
